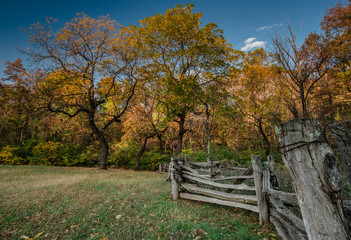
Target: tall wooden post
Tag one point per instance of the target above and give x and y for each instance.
(316, 176)
(342, 134)
(261, 197)
(175, 186)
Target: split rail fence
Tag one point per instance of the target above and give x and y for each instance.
(255, 188)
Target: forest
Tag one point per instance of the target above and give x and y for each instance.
(102, 94)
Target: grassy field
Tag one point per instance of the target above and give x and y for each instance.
(86, 203)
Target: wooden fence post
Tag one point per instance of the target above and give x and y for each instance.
(316, 177)
(261, 198)
(342, 134)
(175, 186)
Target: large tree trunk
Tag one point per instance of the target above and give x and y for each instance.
(181, 132)
(160, 144)
(342, 135)
(104, 153)
(316, 177)
(103, 143)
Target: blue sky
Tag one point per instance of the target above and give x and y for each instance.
(245, 23)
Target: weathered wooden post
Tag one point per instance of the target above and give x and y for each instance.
(175, 186)
(342, 134)
(316, 177)
(261, 198)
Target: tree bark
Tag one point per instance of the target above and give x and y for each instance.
(141, 151)
(342, 134)
(103, 143)
(181, 132)
(316, 177)
(160, 144)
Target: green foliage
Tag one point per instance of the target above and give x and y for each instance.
(217, 153)
(88, 158)
(49, 154)
(151, 160)
(8, 156)
(195, 156)
(123, 154)
(245, 156)
(223, 153)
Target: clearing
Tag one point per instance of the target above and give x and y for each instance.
(87, 203)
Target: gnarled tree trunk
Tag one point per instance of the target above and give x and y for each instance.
(316, 177)
(103, 143)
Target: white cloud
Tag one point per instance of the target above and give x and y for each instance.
(269, 26)
(250, 43)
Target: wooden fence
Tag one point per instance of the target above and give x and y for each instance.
(255, 188)
(284, 208)
(213, 183)
(210, 182)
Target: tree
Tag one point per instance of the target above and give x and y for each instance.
(17, 97)
(336, 25)
(178, 51)
(257, 96)
(144, 122)
(301, 67)
(91, 71)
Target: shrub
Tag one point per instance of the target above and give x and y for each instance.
(8, 156)
(46, 153)
(88, 158)
(195, 156)
(151, 160)
(123, 154)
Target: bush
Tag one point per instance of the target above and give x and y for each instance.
(47, 153)
(195, 156)
(151, 160)
(8, 156)
(223, 154)
(245, 156)
(123, 154)
(88, 158)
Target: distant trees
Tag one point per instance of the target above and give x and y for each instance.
(258, 99)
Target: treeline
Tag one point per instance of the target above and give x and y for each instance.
(131, 96)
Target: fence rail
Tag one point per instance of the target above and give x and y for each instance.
(206, 182)
(213, 183)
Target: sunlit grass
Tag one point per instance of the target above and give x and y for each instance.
(86, 203)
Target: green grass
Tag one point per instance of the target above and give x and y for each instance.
(86, 203)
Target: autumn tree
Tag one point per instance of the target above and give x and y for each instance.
(336, 25)
(212, 96)
(256, 95)
(91, 71)
(144, 122)
(178, 51)
(301, 67)
(18, 104)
